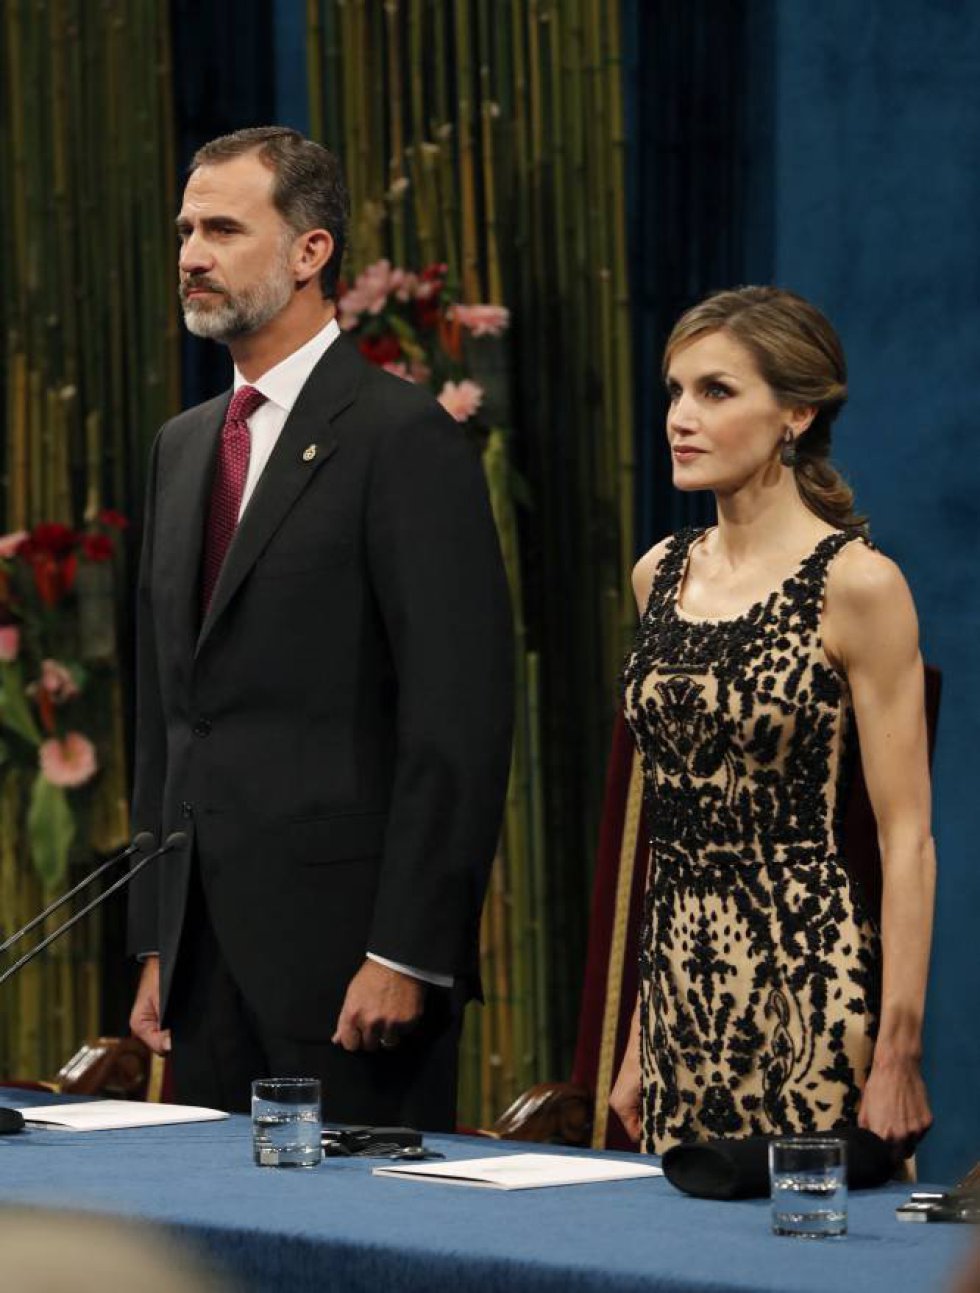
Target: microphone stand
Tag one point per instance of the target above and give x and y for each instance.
(175, 841)
(11, 1120)
(141, 844)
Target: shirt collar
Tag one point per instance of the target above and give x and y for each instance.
(282, 384)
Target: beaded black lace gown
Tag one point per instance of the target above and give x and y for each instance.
(759, 967)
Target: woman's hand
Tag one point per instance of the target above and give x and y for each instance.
(625, 1098)
(895, 1105)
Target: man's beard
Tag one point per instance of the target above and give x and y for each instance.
(236, 316)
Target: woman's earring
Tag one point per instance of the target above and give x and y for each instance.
(787, 450)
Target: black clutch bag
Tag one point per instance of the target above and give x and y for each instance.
(739, 1169)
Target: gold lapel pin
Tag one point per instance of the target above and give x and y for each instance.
(309, 453)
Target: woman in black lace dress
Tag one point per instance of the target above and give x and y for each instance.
(770, 999)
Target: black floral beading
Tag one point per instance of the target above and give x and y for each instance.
(760, 971)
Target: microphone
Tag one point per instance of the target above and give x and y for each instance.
(12, 1120)
(175, 841)
(141, 843)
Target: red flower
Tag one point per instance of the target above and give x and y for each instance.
(51, 537)
(53, 578)
(428, 303)
(428, 310)
(433, 272)
(45, 708)
(98, 547)
(380, 350)
(115, 520)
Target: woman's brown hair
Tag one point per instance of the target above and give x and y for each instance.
(801, 358)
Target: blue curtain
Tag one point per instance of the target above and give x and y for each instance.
(694, 223)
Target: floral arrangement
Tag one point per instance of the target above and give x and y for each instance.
(411, 325)
(51, 703)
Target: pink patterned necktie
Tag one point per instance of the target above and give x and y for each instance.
(228, 486)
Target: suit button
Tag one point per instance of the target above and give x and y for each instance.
(202, 727)
(186, 809)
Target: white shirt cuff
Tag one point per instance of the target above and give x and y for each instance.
(427, 976)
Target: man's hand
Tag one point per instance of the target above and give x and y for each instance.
(145, 1017)
(380, 1006)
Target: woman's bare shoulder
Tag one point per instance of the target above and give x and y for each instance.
(869, 613)
(862, 579)
(644, 573)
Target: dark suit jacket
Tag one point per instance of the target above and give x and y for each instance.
(335, 736)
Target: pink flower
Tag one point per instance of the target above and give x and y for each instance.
(414, 371)
(402, 284)
(462, 399)
(9, 543)
(9, 643)
(70, 762)
(57, 681)
(482, 320)
(369, 293)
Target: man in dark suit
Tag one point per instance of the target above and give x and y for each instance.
(324, 680)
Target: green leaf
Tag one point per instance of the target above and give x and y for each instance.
(15, 712)
(50, 831)
(402, 330)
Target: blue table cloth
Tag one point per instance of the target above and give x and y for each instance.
(338, 1227)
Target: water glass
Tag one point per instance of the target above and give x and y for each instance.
(286, 1122)
(808, 1175)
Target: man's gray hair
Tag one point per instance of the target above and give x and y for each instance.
(309, 190)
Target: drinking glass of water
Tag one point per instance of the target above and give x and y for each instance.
(808, 1175)
(286, 1122)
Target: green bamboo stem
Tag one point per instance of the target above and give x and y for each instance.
(396, 172)
(379, 91)
(416, 54)
(438, 143)
(444, 190)
(443, 45)
(18, 459)
(489, 111)
(87, 150)
(542, 1043)
(516, 832)
(470, 266)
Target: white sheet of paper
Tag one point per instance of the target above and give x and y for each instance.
(112, 1115)
(523, 1171)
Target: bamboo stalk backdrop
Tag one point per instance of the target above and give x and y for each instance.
(485, 133)
(87, 190)
(489, 134)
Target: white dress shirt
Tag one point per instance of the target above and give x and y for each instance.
(281, 386)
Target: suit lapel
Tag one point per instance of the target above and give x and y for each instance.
(305, 443)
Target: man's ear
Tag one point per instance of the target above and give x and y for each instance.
(312, 250)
